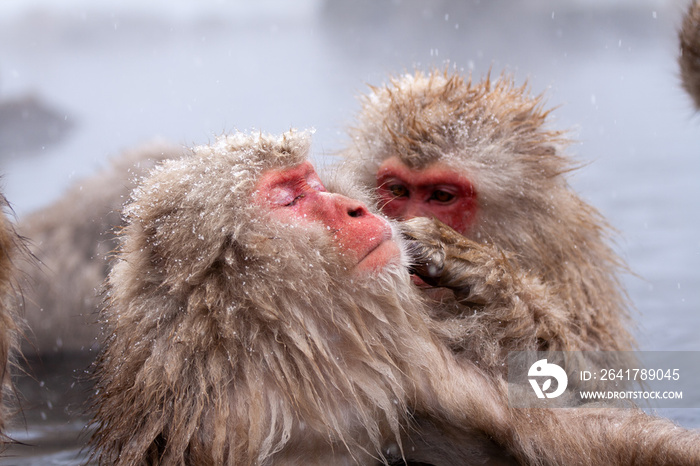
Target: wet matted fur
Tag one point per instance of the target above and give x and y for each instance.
(232, 338)
(12, 251)
(235, 338)
(528, 218)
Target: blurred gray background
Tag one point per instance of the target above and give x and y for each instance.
(80, 81)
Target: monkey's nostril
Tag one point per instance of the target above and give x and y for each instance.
(357, 212)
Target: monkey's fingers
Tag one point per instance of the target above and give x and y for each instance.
(431, 257)
(425, 248)
(430, 265)
(427, 263)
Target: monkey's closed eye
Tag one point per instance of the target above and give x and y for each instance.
(398, 190)
(294, 201)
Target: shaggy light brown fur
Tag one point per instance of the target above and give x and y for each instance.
(539, 233)
(232, 337)
(72, 238)
(515, 311)
(689, 59)
(496, 310)
(12, 250)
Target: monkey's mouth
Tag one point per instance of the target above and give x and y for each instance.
(382, 253)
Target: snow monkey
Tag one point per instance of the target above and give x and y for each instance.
(689, 59)
(248, 320)
(481, 158)
(12, 250)
(253, 317)
(72, 239)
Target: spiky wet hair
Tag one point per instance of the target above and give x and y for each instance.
(426, 117)
(498, 134)
(229, 335)
(12, 251)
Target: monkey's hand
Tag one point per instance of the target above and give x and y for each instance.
(444, 258)
(519, 305)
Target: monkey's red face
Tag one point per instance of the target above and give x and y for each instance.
(436, 191)
(297, 194)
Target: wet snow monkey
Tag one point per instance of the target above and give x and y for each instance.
(689, 58)
(12, 250)
(253, 317)
(480, 158)
(72, 239)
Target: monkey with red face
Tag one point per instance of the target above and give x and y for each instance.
(253, 317)
(527, 258)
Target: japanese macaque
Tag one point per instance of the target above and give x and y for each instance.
(12, 250)
(253, 317)
(248, 319)
(526, 257)
(689, 59)
(72, 239)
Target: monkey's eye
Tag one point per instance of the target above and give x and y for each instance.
(284, 196)
(441, 196)
(398, 190)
